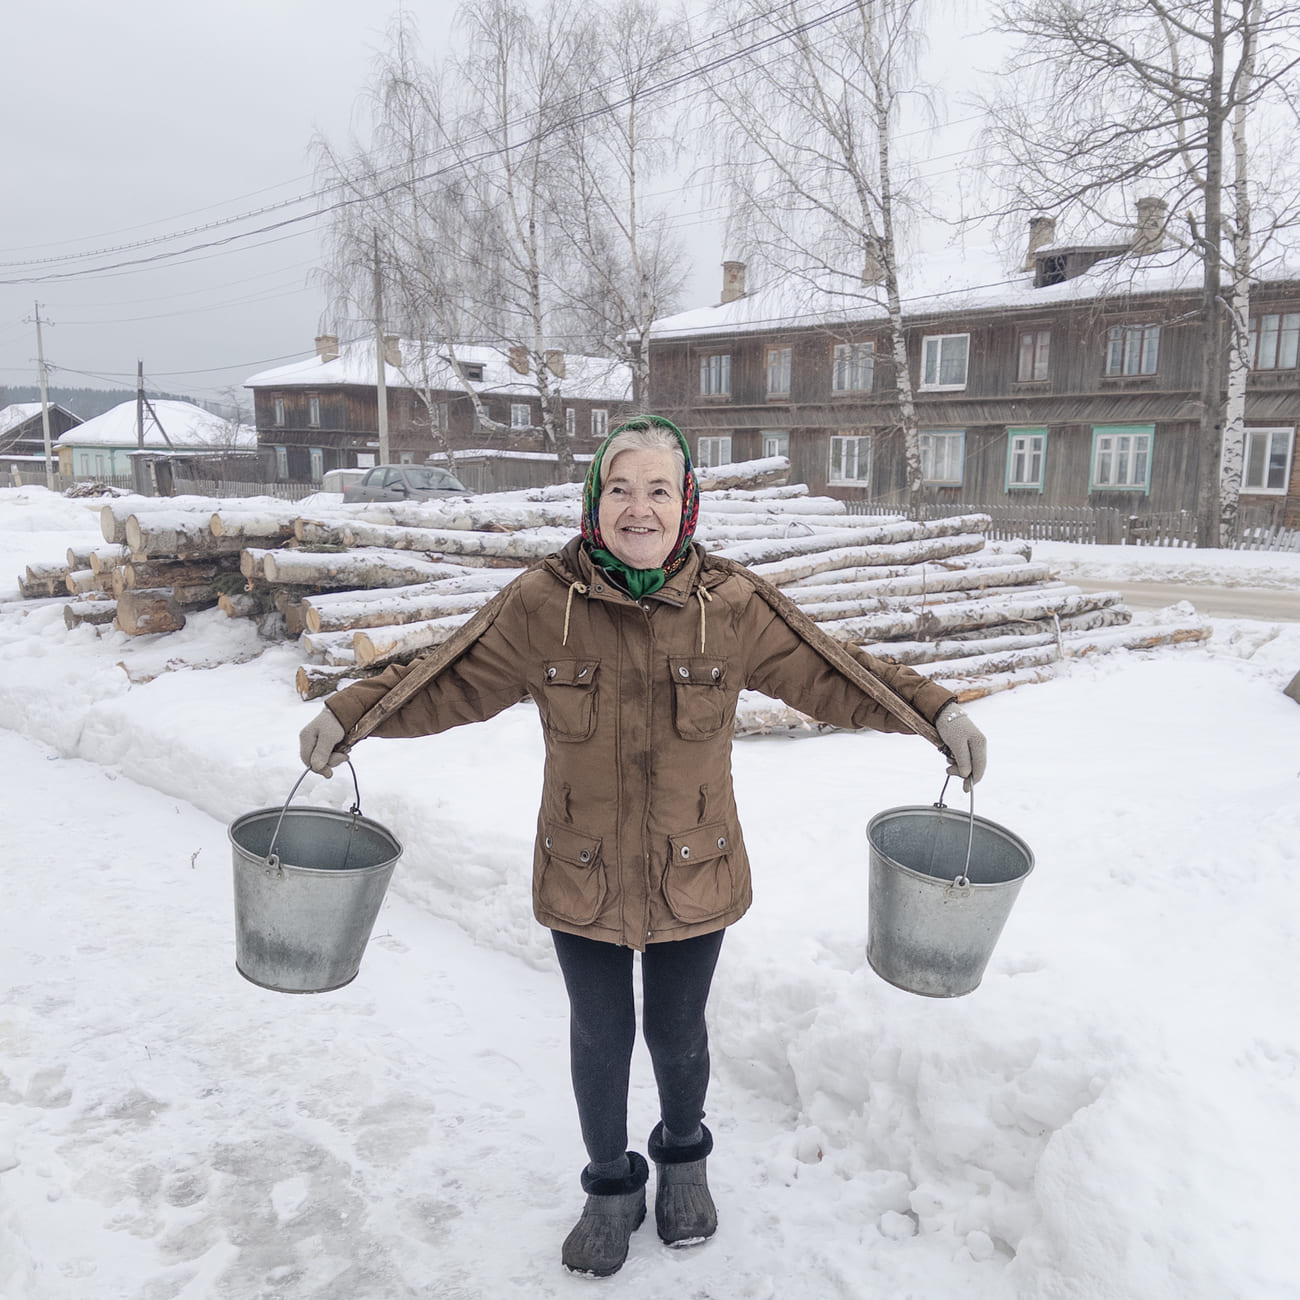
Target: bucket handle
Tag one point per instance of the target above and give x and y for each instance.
(962, 881)
(273, 858)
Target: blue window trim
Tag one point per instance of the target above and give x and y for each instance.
(1033, 432)
(1111, 430)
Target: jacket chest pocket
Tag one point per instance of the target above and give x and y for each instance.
(571, 698)
(702, 704)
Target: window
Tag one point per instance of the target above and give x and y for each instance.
(1267, 466)
(713, 451)
(942, 456)
(1132, 349)
(715, 375)
(776, 444)
(1035, 351)
(317, 464)
(1026, 454)
(599, 423)
(365, 459)
(473, 371)
(570, 422)
(438, 414)
(279, 410)
(1121, 457)
(850, 460)
(853, 367)
(282, 462)
(778, 372)
(943, 360)
(406, 458)
(1274, 341)
(313, 410)
(520, 416)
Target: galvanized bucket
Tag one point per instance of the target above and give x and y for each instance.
(941, 889)
(309, 883)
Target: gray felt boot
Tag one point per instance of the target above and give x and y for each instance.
(615, 1209)
(684, 1210)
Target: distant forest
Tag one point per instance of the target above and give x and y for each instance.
(87, 402)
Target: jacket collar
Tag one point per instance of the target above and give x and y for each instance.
(574, 564)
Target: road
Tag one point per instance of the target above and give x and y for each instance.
(1210, 602)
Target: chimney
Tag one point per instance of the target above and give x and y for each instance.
(733, 281)
(519, 358)
(327, 347)
(1150, 234)
(393, 350)
(555, 362)
(1042, 234)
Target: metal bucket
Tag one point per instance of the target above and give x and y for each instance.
(942, 886)
(309, 883)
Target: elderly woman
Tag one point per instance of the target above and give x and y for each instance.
(635, 643)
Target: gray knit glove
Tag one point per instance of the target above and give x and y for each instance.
(964, 741)
(319, 741)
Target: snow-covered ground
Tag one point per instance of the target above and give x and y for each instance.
(1114, 1114)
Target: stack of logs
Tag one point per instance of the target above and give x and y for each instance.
(365, 586)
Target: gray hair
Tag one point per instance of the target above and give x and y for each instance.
(639, 434)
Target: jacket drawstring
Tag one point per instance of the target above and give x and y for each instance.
(581, 589)
(702, 595)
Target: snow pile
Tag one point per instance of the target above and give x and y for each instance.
(1112, 1114)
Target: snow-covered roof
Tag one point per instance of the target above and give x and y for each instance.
(591, 378)
(188, 426)
(17, 413)
(938, 285)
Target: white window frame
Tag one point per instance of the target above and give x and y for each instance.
(776, 366)
(1132, 351)
(943, 456)
(317, 463)
(521, 415)
(849, 461)
(1038, 353)
(277, 407)
(1026, 459)
(1121, 458)
(313, 410)
(570, 421)
(282, 463)
(934, 350)
(599, 422)
(853, 367)
(775, 443)
(1275, 341)
(713, 451)
(1275, 437)
(715, 374)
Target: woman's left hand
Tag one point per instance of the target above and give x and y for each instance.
(964, 741)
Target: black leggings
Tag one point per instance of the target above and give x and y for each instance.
(675, 979)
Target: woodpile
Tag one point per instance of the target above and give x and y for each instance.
(364, 586)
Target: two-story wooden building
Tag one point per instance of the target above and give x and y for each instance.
(322, 413)
(1073, 382)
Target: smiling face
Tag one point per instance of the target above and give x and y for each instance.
(640, 510)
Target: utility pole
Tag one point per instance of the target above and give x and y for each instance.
(45, 403)
(139, 405)
(380, 363)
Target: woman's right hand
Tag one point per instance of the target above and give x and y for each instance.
(319, 741)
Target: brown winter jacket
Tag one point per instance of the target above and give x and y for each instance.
(637, 839)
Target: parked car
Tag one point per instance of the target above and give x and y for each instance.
(405, 483)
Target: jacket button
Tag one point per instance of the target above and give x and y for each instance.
(548, 841)
(550, 672)
(686, 850)
(585, 855)
(683, 672)
(717, 672)
(599, 587)
(722, 841)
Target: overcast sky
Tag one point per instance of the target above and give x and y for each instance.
(146, 117)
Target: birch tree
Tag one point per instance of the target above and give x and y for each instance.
(1106, 103)
(806, 135)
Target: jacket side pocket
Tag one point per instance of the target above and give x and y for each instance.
(570, 698)
(571, 878)
(702, 703)
(699, 883)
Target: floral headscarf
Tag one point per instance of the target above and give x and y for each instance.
(640, 582)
